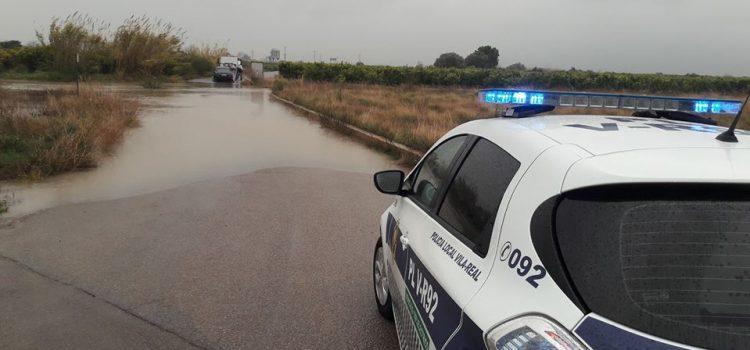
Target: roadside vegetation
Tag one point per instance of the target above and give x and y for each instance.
(516, 76)
(43, 133)
(139, 48)
(415, 116)
(268, 66)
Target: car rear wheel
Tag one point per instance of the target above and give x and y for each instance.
(380, 281)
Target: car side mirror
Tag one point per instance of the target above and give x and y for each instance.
(389, 181)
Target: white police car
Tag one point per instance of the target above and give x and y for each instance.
(572, 232)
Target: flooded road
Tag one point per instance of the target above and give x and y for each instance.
(192, 133)
(225, 221)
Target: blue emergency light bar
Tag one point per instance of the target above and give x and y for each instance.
(602, 100)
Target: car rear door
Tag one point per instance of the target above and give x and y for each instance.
(411, 308)
(447, 222)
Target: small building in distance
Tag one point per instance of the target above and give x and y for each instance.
(275, 55)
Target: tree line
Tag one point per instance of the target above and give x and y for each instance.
(536, 78)
(483, 57)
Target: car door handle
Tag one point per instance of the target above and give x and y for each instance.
(404, 241)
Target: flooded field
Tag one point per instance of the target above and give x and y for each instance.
(196, 132)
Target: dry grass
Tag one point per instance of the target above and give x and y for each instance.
(413, 115)
(49, 132)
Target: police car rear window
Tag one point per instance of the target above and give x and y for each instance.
(672, 260)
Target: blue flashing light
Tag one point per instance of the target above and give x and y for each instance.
(536, 99)
(731, 107)
(503, 97)
(701, 106)
(716, 107)
(489, 97)
(530, 97)
(513, 97)
(519, 97)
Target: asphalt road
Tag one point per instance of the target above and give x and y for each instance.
(279, 258)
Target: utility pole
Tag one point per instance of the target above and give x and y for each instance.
(284, 53)
(315, 52)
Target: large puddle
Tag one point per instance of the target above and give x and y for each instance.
(196, 132)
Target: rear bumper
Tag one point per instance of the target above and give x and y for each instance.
(223, 79)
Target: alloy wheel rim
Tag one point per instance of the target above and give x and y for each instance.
(381, 280)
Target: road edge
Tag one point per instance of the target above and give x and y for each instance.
(360, 131)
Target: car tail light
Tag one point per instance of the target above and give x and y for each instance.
(532, 332)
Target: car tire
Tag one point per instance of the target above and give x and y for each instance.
(380, 283)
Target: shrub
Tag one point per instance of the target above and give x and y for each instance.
(516, 66)
(203, 59)
(270, 66)
(28, 58)
(33, 57)
(483, 57)
(200, 65)
(450, 60)
(78, 35)
(5, 59)
(44, 133)
(10, 44)
(278, 85)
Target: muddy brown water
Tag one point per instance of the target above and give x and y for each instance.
(191, 133)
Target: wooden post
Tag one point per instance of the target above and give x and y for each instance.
(78, 74)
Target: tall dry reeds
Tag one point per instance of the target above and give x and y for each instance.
(82, 36)
(143, 45)
(45, 133)
(210, 53)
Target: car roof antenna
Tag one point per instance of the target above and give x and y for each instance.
(728, 135)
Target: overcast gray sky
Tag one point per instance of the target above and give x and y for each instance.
(670, 36)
